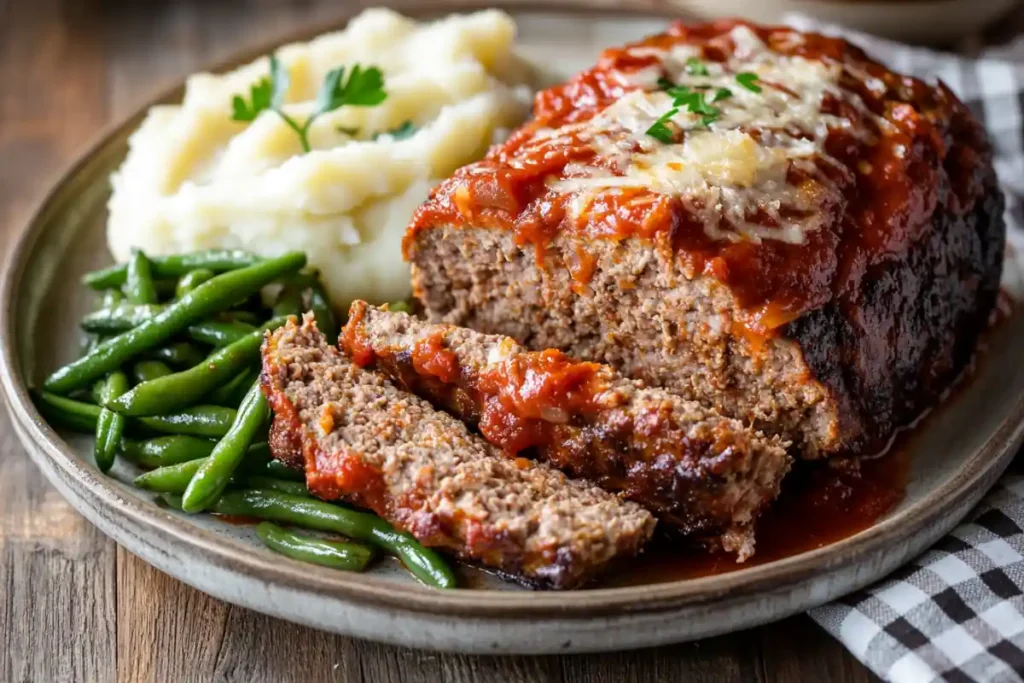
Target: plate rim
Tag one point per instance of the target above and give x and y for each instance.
(964, 489)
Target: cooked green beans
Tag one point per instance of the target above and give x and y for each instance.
(109, 425)
(320, 305)
(209, 421)
(208, 298)
(179, 354)
(148, 370)
(166, 450)
(219, 332)
(211, 478)
(66, 412)
(278, 470)
(289, 302)
(191, 280)
(424, 563)
(175, 478)
(294, 488)
(345, 556)
(217, 260)
(120, 317)
(173, 392)
(139, 287)
(233, 393)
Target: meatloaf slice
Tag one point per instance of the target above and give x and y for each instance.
(367, 442)
(705, 475)
(766, 221)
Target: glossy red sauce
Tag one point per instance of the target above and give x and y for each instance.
(923, 150)
(819, 505)
(529, 395)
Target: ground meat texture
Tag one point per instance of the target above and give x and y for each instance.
(832, 326)
(706, 476)
(368, 442)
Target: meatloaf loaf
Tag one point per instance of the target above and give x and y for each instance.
(707, 476)
(764, 220)
(365, 441)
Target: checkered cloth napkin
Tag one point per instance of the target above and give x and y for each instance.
(957, 612)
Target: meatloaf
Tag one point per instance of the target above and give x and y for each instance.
(763, 220)
(704, 475)
(365, 441)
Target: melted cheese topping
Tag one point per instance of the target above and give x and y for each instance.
(753, 173)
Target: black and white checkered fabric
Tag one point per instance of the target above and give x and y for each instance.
(957, 612)
(954, 614)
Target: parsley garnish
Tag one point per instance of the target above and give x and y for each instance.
(659, 130)
(695, 67)
(749, 81)
(691, 100)
(406, 130)
(363, 88)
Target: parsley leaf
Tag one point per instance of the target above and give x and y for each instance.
(722, 94)
(749, 81)
(259, 99)
(659, 131)
(363, 88)
(695, 67)
(406, 130)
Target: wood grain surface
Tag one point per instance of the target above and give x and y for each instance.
(73, 605)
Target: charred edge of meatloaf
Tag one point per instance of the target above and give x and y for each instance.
(707, 476)
(639, 313)
(368, 442)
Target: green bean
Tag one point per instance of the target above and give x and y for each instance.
(165, 287)
(110, 425)
(278, 470)
(147, 370)
(211, 478)
(66, 412)
(139, 287)
(217, 260)
(166, 450)
(399, 307)
(289, 302)
(208, 298)
(120, 318)
(232, 393)
(210, 421)
(424, 563)
(191, 280)
(111, 298)
(244, 317)
(320, 305)
(179, 354)
(175, 478)
(170, 393)
(219, 332)
(295, 488)
(345, 556)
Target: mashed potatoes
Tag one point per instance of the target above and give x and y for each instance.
(195, 179)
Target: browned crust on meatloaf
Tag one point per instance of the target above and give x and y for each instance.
(376, 446)
(707, 476)
(865, 322)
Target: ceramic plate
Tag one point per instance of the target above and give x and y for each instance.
(953, 462)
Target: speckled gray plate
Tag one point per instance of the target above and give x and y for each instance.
(954, 461)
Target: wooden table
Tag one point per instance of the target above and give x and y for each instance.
(76, 607)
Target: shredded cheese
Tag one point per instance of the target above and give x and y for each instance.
(736, 167)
